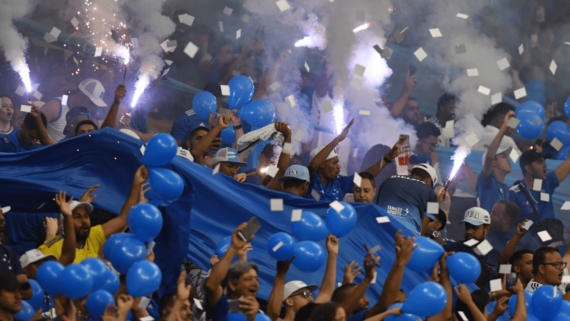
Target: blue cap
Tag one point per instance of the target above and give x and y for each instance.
(228, 155)
(296, 172)
(419, 158)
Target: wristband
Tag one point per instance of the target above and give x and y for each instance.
(237, 127)
(387, 160)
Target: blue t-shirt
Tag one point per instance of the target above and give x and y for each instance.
(405, 198)
(184, 123)
(545, 209)
(500, 240)
(218, 311)
(334, 191)
(490, 190)
(11, 144)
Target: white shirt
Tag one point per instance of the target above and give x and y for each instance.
(55, 127)
(533, 285)
(489, 134)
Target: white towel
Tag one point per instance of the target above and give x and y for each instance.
(246, 144)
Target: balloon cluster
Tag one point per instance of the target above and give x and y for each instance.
(166, 185)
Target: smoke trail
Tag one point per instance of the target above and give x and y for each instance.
(11, 41)
(146, 16)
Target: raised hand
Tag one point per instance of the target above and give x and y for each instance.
(463, 294)
(397, 148)
(351, 271)
(283, 266)
(64, 206)
(410, 82)
(87, 197)
(332, 244)
(213, 260)
(251, 306)
(182, 290)
(224, 121)
(120, 93)
(141, 175)
(344, 133)
(520, 229)
(404, 252)
(142, 197)
(212, 119)
(370, 262)
(242, 253)
(240, 177)
(237, 242)
(283, 128)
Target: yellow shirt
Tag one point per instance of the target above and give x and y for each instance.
(94, 241)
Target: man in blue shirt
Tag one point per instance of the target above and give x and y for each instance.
(23, 139)
(496, 165)
(504, 227)
(405, 198)
(326, 185)
(533, 166)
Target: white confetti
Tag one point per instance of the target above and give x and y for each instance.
(221, 23)
(272, 170)
(98, 51)
(513, 122)
(225, 90)
(537, 185)
(25, 108)
(359, 70)
(238, 34)
(503, 64)
(433, 207)
(74, 22)
(496, 98)
(276, 204)
(566, 206)
(520, 93)
(337, 206)
(420, 54)
(277, 247)
(521, 49)
(544, 236)
(473, 72)
(357, 179)
(186, 19)
(283, 5)
(383, 219)
(296, 215)
(484, 90)
(228, 11)
(291, 99)
(191, 49)
(556, 144)
(435, 33)
(364, 112)
(462, 16)
(553, 67)
(544, 197)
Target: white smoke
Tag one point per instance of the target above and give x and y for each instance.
(12, 43)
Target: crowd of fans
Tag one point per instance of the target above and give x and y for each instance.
(491, 211)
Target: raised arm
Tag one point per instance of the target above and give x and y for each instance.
(119, 223)
(42, 131)
(321, 157)
(213, 286)
(492, 151)
(120, 93)
(203, 147)
(447, 312)
(236, 121)
(276, 297)
(391, 155)
(284, 158)
(464, 295)
(69, 243)
(512, 244)
(328, 285)
(351, 301)
(398, 106)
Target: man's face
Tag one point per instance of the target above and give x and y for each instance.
(248, 284)
(426, 145)
(28, 137)
(17, 118)
(186, 313)
(524, 267)
(81, 223)
(478, 233)
(331, 168)
(73, 121)
(503, 163)
(412, 112)
(226, 54)
(11, 301)
(229, 169)
(538, 169)
(299, 299)
(552, 275)
(363, 304)
(85, 128)
(365, 193)
(6, 110)
(448, 110)
(200, 133)
(498, 220)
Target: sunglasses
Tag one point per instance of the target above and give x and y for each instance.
(305, 294)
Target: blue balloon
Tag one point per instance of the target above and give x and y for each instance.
(236, 317)
(561, 317)
(167, 184)
(464, 267)
(402, 317)
(258, 113)
(527, 300)
(341, 223)
(112, 241)
(563, 153)
(145, 221)
(536, 97)
(97, 303)
(241, 91)
(204, 103)
(426, 299)
(126, 253)
(531, 317)
(425, 255)
(98, 271)
(76, 281)
(37, 295)
(150, 194)
(48, 277)
(530, 107)
(262, 317)
(530, 126)
(311, 227)
(309, 256)
(567, 107)
(560, 130)
(143, 279)
(228, 135)
(160, 150)
(285, 251)
(546, 302)
(535, 85)
(565, 308)
(26, 313)
(111, 283)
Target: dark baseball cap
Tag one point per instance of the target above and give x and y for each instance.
(532, 155)
(10, 283)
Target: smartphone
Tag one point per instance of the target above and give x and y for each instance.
(511, 279)
(412, 70)
(233, 307)
(253, 226)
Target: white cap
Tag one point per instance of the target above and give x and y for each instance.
(293, 286)
(33, 256)
(477, 216)
(430, 170)
(76, 204)
(317, 150)
(6, 209)
(503, 148)
(93, 89)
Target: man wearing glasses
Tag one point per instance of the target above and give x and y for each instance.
(548, 269)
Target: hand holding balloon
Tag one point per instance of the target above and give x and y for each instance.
(405, 250)
(463, 294)
(332, 245)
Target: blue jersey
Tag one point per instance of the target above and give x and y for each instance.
(500, 240)
(185, 123)
(545, 209)
(490, 190)
(334, 191)
(11, 144)
(406, 198)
